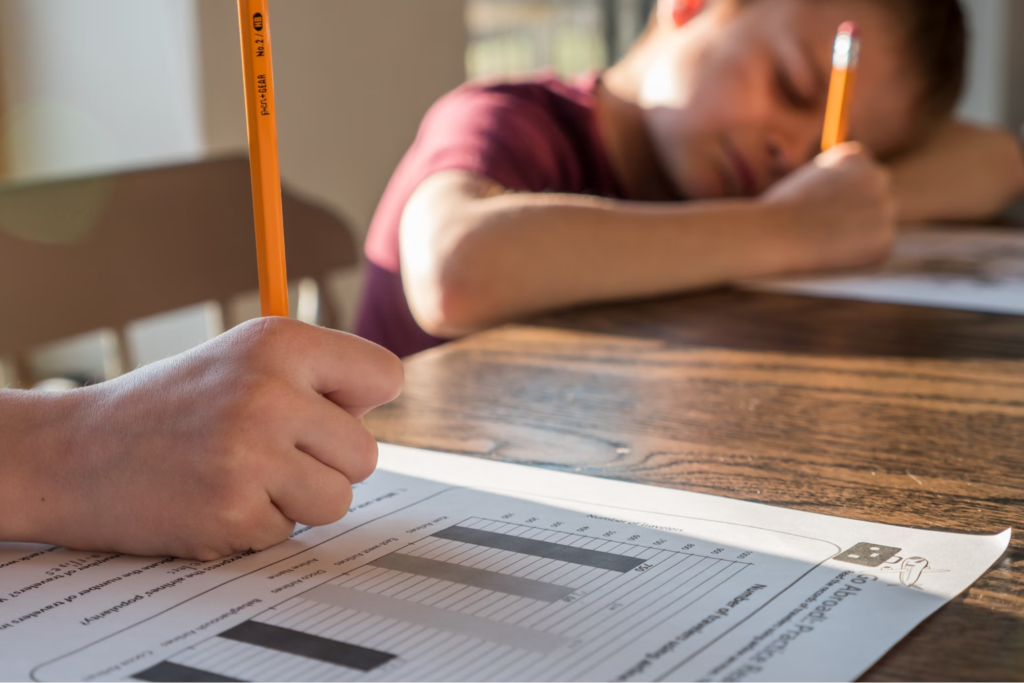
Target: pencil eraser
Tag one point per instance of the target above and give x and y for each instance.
(846, 52)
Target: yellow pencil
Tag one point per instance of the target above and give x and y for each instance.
(261, 120)
(844, 75)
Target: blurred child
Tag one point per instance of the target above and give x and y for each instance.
(689, 164)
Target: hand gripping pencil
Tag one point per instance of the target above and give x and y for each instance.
(844, 75)
(261, 120)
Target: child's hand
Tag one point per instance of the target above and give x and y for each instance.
(217, 451)
(841, 207)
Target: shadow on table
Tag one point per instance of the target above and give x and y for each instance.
(755, 321)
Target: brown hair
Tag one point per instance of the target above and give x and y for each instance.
(936, 39)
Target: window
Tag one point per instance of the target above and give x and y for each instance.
(515, 37)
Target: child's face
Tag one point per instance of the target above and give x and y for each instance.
(735, 98)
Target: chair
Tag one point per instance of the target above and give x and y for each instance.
(100, 252)
(1014, 215)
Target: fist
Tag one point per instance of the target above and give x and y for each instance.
(220, 450)
(842, 209)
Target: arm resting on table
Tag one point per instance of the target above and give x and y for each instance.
(474, 255)
(963, 173)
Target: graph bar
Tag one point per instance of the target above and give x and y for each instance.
(477, 578)
(432, 617)
(306, 645)
(552, 551)
(168, 672)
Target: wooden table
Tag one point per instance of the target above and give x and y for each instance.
(891, 414)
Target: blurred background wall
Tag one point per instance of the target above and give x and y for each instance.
(995, 83)
(94, 86)
(353, 81)
(82, 92)
(90, 86)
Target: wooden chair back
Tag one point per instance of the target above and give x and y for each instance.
(101, 252)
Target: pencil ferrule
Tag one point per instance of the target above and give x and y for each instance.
(846, 53)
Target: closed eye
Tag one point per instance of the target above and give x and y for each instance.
(790, 93)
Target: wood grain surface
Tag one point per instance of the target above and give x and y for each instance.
(882, 413)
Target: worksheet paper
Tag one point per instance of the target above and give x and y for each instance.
(971, 269)
(451, 568)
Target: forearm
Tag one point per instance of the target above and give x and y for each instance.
(963, 173)
(514, 255)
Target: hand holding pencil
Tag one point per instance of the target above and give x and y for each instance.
(223, 449)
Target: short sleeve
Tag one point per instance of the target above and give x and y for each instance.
(506, 134)
(509, 137)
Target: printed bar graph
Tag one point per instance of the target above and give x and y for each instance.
(479, 600)
(306, 645)
(478, 578)
(551, 551)
(169, 672)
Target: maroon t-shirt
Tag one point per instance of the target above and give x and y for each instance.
(532, 136)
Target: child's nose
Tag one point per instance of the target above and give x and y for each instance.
(790, 152)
